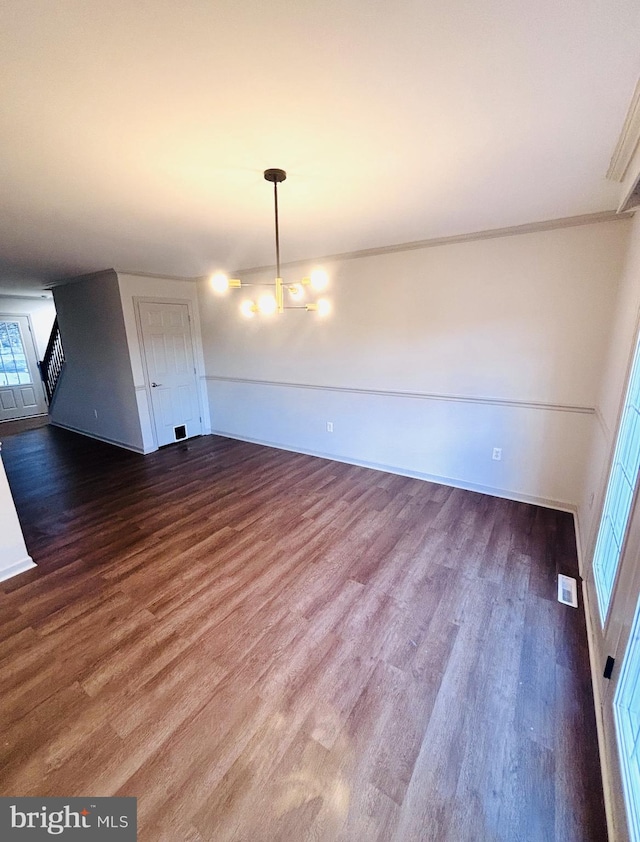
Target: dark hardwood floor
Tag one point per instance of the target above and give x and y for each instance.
(19, 425)
(262, 646)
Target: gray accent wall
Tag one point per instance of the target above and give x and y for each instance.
(96, 394)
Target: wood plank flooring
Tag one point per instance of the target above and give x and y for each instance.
(262, 645)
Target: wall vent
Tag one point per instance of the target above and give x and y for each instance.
(567, 590)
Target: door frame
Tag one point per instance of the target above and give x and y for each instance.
(198, 374)
(37, 383)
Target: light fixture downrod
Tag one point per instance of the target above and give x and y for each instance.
(276, 176)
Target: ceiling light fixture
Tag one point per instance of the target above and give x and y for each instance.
(269, 303)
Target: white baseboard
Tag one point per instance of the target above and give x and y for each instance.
(95, 436)
(610, 802)
(18, 567)
(579, 546)
(506, 494)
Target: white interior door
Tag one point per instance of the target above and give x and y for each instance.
(21, 390)
(172, 379)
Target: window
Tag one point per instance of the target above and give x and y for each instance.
(626, 708)
(619, 497)
(14, 370)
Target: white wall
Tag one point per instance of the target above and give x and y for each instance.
(95, 394)
(41, 311)
(499, 343)
(170, 289)
(14, 557)
(616, 362)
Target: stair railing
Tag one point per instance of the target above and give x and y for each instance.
(51, 365)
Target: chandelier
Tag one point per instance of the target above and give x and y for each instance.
(277, 302)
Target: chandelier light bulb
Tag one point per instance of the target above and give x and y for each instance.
(267, 304)
(248, 309)
(319, 279)
(296, 290)
(324, 307)
(219, 282)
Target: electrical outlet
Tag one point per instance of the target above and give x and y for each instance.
(329, 426)
(497, 454)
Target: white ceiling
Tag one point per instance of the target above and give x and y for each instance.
(134, 134)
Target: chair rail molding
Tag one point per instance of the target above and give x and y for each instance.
(431, 396)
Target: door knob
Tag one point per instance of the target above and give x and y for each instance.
(155, 385)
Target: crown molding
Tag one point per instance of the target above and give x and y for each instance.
(490, 234)
(159, 275)
(628, 140)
